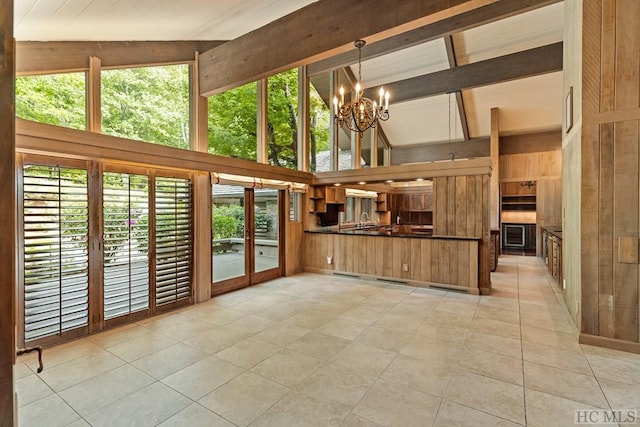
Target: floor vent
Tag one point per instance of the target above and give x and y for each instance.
(441, 288)
(351, 276)
(397, 282)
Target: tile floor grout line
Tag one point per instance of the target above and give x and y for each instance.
(534, 292)
(524, 384)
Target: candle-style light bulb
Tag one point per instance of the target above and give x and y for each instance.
(358, 90)
(375, 107)
(381, 95)
(341, 95)
(335, 104)
(386, 101)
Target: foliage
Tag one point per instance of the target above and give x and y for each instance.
(152, 104)
(233, 122)
(282, 126)
(55, 99)
(147, 104)
(264, 222)
(228, 221)
(319, 123)
(126, 219)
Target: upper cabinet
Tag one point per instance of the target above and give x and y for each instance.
(518, 196)
(336, 195)
(382, 202)
(412, 202)
(322, 195)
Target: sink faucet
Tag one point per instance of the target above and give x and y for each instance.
(364, 217)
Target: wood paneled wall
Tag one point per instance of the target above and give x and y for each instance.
(531, 166)
(610, 173)
(451, 262)
(294, 234)
(7, 215)
(461, 208)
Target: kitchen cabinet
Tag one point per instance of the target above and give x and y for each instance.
(552, 252)
(322, 195)
(416, 202)
(336, 195)
(382, 202)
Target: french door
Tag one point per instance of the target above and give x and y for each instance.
(101, 245)
(247, 225)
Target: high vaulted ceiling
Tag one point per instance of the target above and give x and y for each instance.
(101, 20)
(526, 105)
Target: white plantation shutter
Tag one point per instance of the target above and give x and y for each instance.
(174, 239)
(56, 261)
(125, 206)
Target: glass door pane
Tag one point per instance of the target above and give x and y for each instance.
(125, 223)
(266, 232)
(56, 251)
(228, 244)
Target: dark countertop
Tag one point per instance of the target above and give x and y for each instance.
(387, 233)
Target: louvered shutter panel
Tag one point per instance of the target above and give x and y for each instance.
(125, 205)
(174, 247)
(56, 261)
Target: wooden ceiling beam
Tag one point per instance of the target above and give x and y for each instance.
(464, 21)
(59, 56)
(477, 147)
(320, 30)
(528, 63)
(451, 56)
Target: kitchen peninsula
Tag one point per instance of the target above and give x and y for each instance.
(455, 255)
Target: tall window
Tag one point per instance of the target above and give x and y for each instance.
(319, 124)
(232, 121)
(174, 247)
(56, 260)
(148, 104)
(282, 126)
(55, 99)
(125, 243)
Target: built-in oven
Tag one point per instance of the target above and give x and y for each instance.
(513, 236)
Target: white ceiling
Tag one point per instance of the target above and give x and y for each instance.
(526, 105)
(49, 20)
(411, 62)
(538, 27)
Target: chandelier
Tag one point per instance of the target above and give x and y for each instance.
(362, 113)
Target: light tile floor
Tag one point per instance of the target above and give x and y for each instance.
(314, 350)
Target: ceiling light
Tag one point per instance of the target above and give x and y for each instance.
(362, 183)
(337, 184)
(362, 113)
(419, 179)
(389, 181)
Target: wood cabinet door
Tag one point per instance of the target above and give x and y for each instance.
(416, 202)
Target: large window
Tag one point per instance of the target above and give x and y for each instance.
(233, 122)
(319, 124)
(56, 261)
(282, 126)
(148, 104)
(55, 99)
